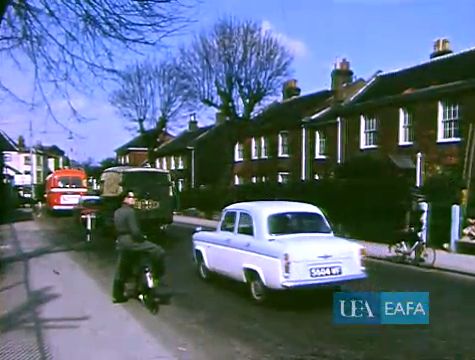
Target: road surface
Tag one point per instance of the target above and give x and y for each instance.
(218, 320)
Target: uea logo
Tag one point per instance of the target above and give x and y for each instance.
(381, 308)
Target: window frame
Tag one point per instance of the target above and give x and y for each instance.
(254, 149)
(281, 149)
(224, 218)
(264, 147)
(452, 105)
(405, 113)
(363, 131)
(318, 144)
(283, 173)
(238, 152)
(241, 213)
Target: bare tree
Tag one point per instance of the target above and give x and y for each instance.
(234, 67)
(148, 96)
(68, 43)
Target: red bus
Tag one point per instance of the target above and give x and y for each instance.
(64, 187)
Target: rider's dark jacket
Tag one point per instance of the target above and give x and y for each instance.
(127, 228)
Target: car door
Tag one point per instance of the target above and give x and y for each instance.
(222, 252)
(243, 243)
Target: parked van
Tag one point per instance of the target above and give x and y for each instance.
(153, 189)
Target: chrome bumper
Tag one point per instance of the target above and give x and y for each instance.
(291, 284)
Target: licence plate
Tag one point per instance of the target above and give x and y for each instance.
(70, 199)
(322, 271)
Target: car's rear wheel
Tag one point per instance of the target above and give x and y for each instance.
(203, 270)
(257, 288)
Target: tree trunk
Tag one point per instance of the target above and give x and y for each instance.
(3, 9)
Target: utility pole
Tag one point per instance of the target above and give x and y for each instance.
(32, 168)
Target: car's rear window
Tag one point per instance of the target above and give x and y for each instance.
(297, 223)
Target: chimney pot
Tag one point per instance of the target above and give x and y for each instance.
(192, 123)
(290, 89)
(341, 74)
(441, 47)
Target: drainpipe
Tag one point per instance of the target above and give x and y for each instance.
(419, 170)
(192, 166)
(304, 153)
(338, 121)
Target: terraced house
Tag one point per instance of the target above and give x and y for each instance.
(420, 117)
(178, 155)
(135, 151)
(278, 147)
(201, 156)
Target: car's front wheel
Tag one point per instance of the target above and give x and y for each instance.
(257, 288)
(203, 270)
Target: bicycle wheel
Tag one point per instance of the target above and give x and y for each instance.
(429, 256)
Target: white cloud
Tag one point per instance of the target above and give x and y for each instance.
(296, 46)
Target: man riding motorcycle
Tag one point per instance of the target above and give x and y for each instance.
(130, 240)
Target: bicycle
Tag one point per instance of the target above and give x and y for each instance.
(419, 252)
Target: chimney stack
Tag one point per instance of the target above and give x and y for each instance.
(290, 89)
(441, 47)
(341, 74)
(192, 123)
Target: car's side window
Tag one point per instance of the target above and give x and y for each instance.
(245, 225)
(228, 221)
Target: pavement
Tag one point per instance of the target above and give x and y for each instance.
(445, 261)
(51, 309)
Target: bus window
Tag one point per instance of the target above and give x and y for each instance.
(70, 182)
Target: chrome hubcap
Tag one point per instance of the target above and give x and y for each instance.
(257, 290)
(203, 271)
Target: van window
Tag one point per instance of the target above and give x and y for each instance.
(146, 178)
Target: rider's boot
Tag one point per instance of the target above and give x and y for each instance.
(118, 292)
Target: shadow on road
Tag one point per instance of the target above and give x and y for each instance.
(24, 256)
(24, 315)
(287, 301)
(27, 315)
(16, 215)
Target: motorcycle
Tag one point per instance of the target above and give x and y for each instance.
(143, 285)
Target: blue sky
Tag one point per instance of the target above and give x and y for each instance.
(372, 34)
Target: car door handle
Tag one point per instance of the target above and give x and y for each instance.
(248, 244)
(228, 240)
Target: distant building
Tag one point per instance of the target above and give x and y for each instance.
(29, 167)
(135, 151)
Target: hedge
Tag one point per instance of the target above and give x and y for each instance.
(362, 209)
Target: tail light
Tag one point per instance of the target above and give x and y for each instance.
(363, 252)
(286, 265)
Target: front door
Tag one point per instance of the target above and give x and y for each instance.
(243, 244)
(222, 251)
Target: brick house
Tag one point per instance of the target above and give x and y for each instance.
(178, 155)
(135, 151)
(276, 146)
(420, 117)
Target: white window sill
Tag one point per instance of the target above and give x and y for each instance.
(364, 147)
(254, 158)
(448, 140)
(284, 155)
(406, 143)
(264, 157)
(320, 157)
(238, 160)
